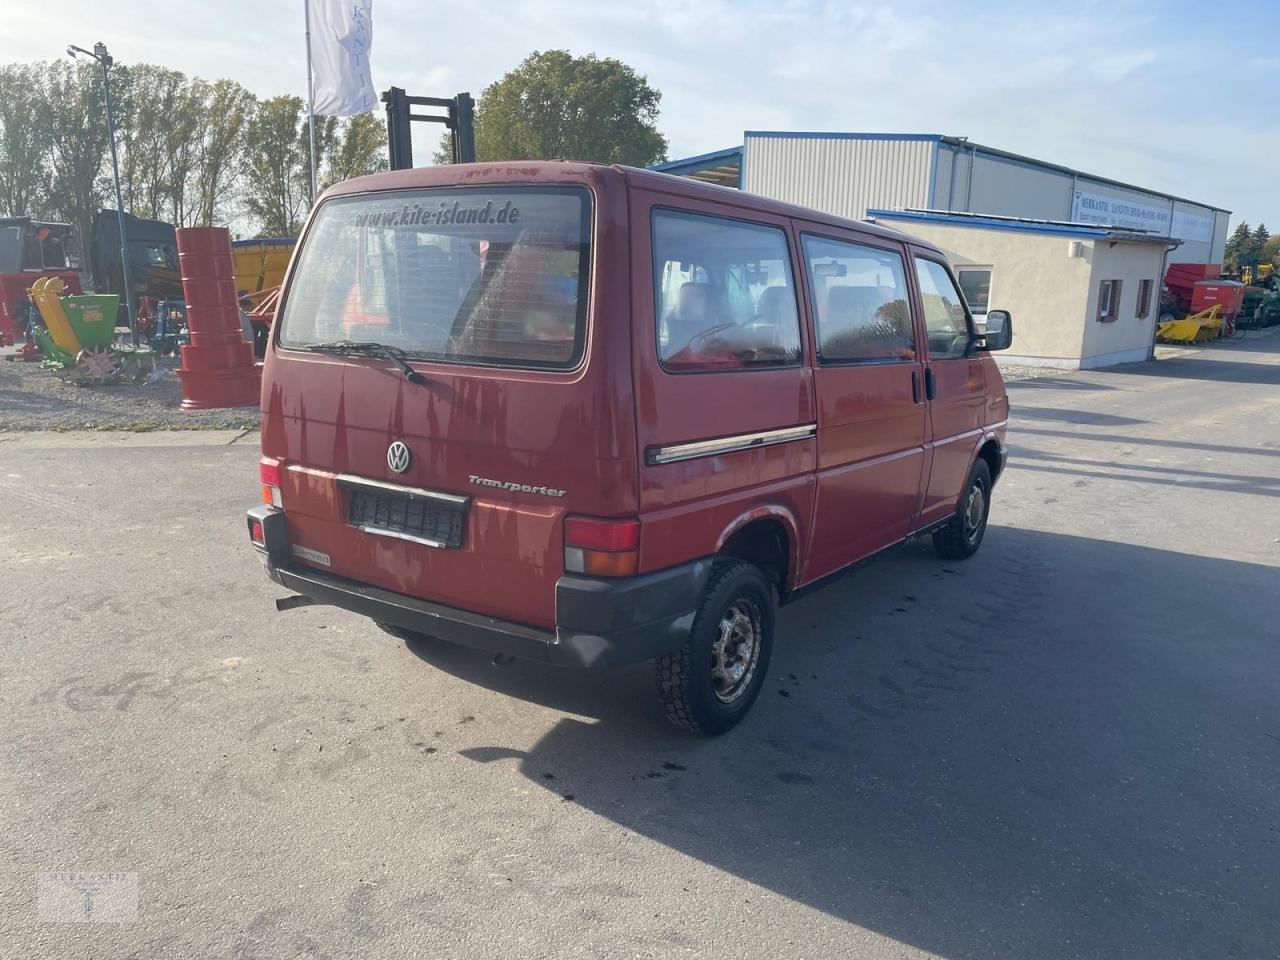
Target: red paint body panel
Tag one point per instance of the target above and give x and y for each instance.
(878, 464)
(1209, 293)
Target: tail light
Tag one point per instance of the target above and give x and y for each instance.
(269, 473)
(601, 548)
(256, 533)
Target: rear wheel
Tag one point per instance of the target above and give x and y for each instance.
(963, 533)
(710, 683)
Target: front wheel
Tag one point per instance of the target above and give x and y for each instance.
(963, 533)
(710, 683)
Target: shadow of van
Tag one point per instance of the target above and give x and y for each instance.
(1043, 752)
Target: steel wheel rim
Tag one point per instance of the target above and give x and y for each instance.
(736, 651)
(974, 511)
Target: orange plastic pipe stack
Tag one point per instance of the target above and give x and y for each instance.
(218, 368)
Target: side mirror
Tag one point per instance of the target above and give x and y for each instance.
(999, 335)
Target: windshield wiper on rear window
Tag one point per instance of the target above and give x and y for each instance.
(394, 354)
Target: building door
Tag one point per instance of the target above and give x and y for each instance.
(870, 393)
(955, 387)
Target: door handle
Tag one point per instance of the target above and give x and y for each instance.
(930, 384)
(915, 386)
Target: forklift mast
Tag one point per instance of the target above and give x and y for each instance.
(459, 118)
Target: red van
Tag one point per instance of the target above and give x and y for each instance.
(595, 415)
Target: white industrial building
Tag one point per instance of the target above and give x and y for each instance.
(1078, 259)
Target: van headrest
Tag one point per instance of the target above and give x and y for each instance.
(776, 305)
(853, 303)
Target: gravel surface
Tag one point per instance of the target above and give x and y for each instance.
(32, 398)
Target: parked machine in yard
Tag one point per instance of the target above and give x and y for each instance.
(1261, 307)
(78, 336)
(260, 263)
(153, 257)
(29, 251)
(1197, 328)
(1202, 304)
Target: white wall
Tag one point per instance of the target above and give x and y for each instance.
(1129, 337)
(1045, 290)
(1053, 296)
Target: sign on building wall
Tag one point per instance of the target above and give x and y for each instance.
(1192, 226)
(1116, 212)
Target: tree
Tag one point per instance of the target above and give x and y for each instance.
(74, 122)
(155, 116)
(326, 143)
(1257, 243)
(275, 166)
(24, 154)
(1271, 251)
(1238, 246)
(554, 105)
(219, 145)
(361, 148)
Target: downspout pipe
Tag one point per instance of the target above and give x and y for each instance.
(1155, 324)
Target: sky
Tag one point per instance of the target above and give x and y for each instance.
(1178, 97)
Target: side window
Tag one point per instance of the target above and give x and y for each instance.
(1109, 301)
(1144, 299)
(945, 320)
(724, 295)
(860, 302)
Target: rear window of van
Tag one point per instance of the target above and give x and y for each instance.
(486, 276)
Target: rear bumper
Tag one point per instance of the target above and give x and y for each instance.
(599, 623)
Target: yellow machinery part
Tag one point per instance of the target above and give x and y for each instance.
(1197, 328)
(44, 292)
(260, 265)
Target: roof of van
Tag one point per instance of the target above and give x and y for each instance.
(573, 171)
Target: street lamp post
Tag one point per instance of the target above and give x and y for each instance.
(99, 53)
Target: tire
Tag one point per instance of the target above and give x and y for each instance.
(962, 535)
(700, 685)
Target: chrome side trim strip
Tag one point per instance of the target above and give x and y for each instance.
(383, 532)
(354, 481)
(742, 441)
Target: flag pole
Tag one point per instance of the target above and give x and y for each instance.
(311, 100)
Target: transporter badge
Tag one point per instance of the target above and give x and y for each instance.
(399, 457)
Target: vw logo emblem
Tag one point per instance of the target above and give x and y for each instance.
(399, 457)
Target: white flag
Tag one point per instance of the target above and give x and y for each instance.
(341, 36)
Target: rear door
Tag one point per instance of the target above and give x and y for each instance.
(871, 412)
(523, 413)
(955, 385)
(724, 401)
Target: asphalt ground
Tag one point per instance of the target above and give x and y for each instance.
(1068, 746)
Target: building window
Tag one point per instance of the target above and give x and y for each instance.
(861, 301)
(1144, 298)
(1109, 301)
(724, 294)
(975, 284)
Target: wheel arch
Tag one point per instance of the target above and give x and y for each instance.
(991, 449)
(769, 537)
